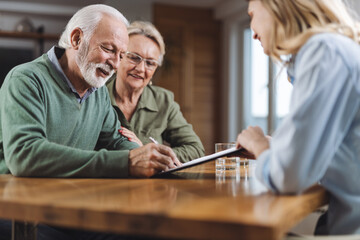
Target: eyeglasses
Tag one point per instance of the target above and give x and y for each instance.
(134, 58)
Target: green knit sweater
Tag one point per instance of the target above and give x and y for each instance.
(45, 132)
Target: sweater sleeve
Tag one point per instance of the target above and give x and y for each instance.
(28, 152)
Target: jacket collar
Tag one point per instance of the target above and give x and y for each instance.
(146, 101)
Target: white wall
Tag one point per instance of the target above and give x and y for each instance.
(233, 15)
(356, 6)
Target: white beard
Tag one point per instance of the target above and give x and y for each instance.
(88, 69)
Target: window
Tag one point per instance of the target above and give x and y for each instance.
(282, 93)
(266, 89)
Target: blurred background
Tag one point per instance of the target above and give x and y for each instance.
(219, 75)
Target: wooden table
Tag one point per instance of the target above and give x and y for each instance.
(196, 203)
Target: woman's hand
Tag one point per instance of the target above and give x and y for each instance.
(130, 135)
(253, 140)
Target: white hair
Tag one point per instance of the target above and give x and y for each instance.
(87, 19)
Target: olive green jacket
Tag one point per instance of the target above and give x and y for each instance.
(157, 115)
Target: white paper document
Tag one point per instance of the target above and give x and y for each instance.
(207, 158)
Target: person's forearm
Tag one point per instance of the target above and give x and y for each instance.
(41, 158)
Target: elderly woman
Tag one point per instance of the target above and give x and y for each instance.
(146, 111)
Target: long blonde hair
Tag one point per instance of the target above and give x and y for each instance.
(297, 20)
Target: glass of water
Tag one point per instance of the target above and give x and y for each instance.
(226, 163)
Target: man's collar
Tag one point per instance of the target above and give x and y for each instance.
(54, 54)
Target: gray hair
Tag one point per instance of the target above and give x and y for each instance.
(147, 29)
(87, 18)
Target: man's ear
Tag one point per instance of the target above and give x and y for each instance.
(76, 37)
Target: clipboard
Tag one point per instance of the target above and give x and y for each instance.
(231, 151)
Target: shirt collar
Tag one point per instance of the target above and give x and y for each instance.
(54, 54)
(291, 70)
(147, 99)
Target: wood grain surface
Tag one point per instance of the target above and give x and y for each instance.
(196, 203)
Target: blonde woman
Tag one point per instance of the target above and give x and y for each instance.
(319, 140)
(144, 110)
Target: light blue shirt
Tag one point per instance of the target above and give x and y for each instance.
(319, 140)
(54, 54)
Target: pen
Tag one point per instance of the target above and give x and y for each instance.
(156, 142)
(153, 140)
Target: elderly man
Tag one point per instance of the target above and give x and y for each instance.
(56, 119)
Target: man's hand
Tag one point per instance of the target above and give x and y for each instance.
(150, 159)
